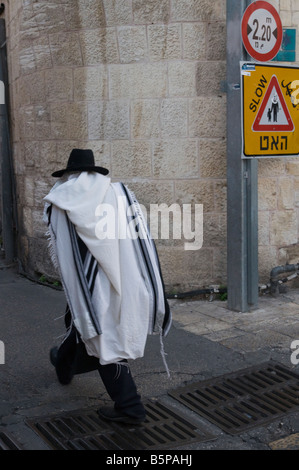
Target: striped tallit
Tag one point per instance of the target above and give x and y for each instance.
(114, 287)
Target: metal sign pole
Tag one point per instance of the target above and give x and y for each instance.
(242, 206)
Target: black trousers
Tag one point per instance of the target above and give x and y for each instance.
(72, 359)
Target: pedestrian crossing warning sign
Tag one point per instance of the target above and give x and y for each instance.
(270, 110)
(273, 114)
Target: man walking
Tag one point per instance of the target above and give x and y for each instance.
(113, 286)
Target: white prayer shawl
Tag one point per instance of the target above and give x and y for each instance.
(127, 300)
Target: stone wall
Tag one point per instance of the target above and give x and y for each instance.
(278, 188)
(140, 83)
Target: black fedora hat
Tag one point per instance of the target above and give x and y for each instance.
(81, 160)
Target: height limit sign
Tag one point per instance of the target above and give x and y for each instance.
(261, 31)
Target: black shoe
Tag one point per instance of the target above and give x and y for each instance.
(111, 414)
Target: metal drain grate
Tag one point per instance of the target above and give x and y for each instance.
(84, 430)
(8, 443)
(248, 398)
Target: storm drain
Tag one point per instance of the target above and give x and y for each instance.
(8, 443)
(84, 430)
(245, 399)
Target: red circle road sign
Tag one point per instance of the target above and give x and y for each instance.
(261, 31)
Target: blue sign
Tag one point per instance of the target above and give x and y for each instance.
(287, 51)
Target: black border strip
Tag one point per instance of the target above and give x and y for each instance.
(81, 276)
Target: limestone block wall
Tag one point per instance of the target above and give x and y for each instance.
(141, 83)
(278, 187)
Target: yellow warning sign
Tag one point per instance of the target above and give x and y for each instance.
(270, 110)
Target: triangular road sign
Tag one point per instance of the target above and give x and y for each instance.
(273, 114)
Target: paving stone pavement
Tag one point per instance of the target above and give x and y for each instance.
(275, 323)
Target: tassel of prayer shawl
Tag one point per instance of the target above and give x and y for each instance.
(163, 353)
(51, 248)
(118, 369)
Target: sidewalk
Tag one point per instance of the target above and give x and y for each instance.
(206, 340)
